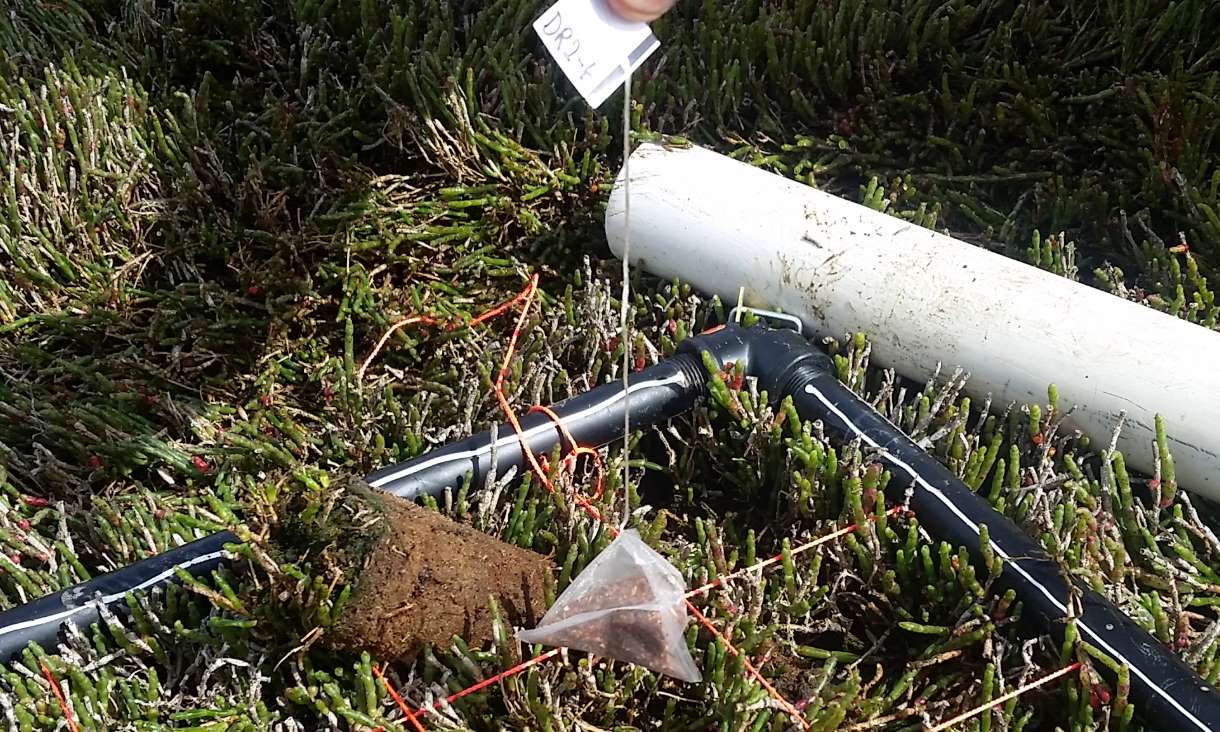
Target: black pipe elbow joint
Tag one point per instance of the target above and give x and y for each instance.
(780, 360)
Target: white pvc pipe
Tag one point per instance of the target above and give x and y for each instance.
(926, 299)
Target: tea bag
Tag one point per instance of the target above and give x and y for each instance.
(628, 604)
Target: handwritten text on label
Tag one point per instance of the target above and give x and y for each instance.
(566, 43)
(593, 46)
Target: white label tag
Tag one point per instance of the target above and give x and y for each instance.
(592, 44)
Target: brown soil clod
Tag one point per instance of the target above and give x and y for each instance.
(423, 578)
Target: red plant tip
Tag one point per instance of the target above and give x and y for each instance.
(200, 464)
(36, 501)
(95, 462)
(159, 514)
(1154, 484)
(639, 362)
(265, 400)
(15, 558)
(24, 524)
(1037, 438)
(252, 290)
(672, 326)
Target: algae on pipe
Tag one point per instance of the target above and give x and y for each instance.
(927, 300)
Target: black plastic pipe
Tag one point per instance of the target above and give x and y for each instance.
(1168, 694)
(42, 620)
(657, 393)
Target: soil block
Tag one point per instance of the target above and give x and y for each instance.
(425, 578)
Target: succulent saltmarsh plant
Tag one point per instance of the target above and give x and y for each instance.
(213, 208)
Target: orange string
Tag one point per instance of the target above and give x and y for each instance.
(577, 450)
(1001, 699)
(385, 337)
(494, 679)
(59, 697)
(728, 645)
(527, 296)
(750, 668)
(512, 418)
(398, 700)
(791, 552)
(498, 388)
(448, 325)
(504, 306)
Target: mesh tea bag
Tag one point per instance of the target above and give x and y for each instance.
(628, 604)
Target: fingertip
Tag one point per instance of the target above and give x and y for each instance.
(643, 11)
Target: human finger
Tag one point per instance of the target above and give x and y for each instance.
(640, 10)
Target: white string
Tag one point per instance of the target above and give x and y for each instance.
(623, 324)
